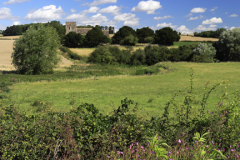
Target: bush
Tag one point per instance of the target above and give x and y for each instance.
(144, 33)
(228, 45)
(155, 54)
(96, 37)
(123, 32)
(101, 55)
(182, 53)
(121, 56)
(204, 52)
(166, 36)
(129, 40)
(148, 40)
(36, 51)
(138, 57)
(70, 53)
(73, 40)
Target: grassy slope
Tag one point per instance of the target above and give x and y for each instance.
(109, 91)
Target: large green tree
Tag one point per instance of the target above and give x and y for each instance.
(144, 33)
(36, 51)
(95, 37)
(123, 32)
(73, 40)
(228, 46)
(61, 30)
(166, 36)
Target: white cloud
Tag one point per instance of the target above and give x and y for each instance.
(194, 18)
(189, 15)
(90, 10)
(198, 10)
(73, 10)
(147, 6)
(14, 1)
(5, 13)
(184, 30)
(225, 26)
(213, 20)
(165, 17)
(204, 28)
(234, 15)
(226, 12)
(133, 22)
(124, 17)
(111, 10)
(98, 2)
(232, 28)
(47, 13)
(214, 9)
(82, 19)
(166, 25)
(16, 23)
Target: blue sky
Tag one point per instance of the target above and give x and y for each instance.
(185, 16)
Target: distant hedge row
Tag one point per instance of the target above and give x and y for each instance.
(149, 56)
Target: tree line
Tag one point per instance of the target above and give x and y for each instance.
(210, 34)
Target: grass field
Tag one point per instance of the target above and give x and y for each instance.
(151, 92)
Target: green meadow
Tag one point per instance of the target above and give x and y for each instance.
(151, 92)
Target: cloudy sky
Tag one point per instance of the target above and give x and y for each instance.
(185, 16)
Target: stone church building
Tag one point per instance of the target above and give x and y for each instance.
(72, 27)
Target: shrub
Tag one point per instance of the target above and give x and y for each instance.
(129, 40)
(101, 55)
(123, 32)
(149, 40)
(138, 57)
(73, 40)
(96, 37)
(228, 45)
(166, 36)
(121, 56)
(36, 51)
(155, 54)
(204, 53)
(144, 33)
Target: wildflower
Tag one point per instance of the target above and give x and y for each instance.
(207, 146)
(212, 142)
(137, 143)
(131, 146)
(179, 141)
(219, 144)
(132, 151)
(227, 112)
(155, 145)
(152, 152)
(122, 153)
(212, 112)
(147, 143)
(187, 148)
(196, 141)
(142, 147)
(108, 156)
(118, 152)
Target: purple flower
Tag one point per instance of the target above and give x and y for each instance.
(147, 143)
(108, 156)
(212, 112)
(132, 151)
(196, 141)
(137, 143)
(122, 153)
(187, 148)
(152, 152)
(207, 146)
(212, 142)
(179, 141)
(219, 144)
(142, 147)
(227, 112)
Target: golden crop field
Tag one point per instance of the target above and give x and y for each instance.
(190, 37)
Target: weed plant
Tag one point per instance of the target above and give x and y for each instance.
(84, 133)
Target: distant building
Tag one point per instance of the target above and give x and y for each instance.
(72, 27)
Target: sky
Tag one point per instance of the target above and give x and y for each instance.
(185, 16)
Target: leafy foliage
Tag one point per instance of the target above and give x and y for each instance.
(155, 54)
(205, 50)
(138, 57)
(212, 34)
(228, 48)
(129, 40)
(95, 37)
(144, 34)
(73, 40)
(166, 36)
(123, 32)
(71, 55)
(36, 51)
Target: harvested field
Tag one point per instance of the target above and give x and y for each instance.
(10, 37)
(6, 53)
(192, 38)
(111, 35)
(83, 51)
